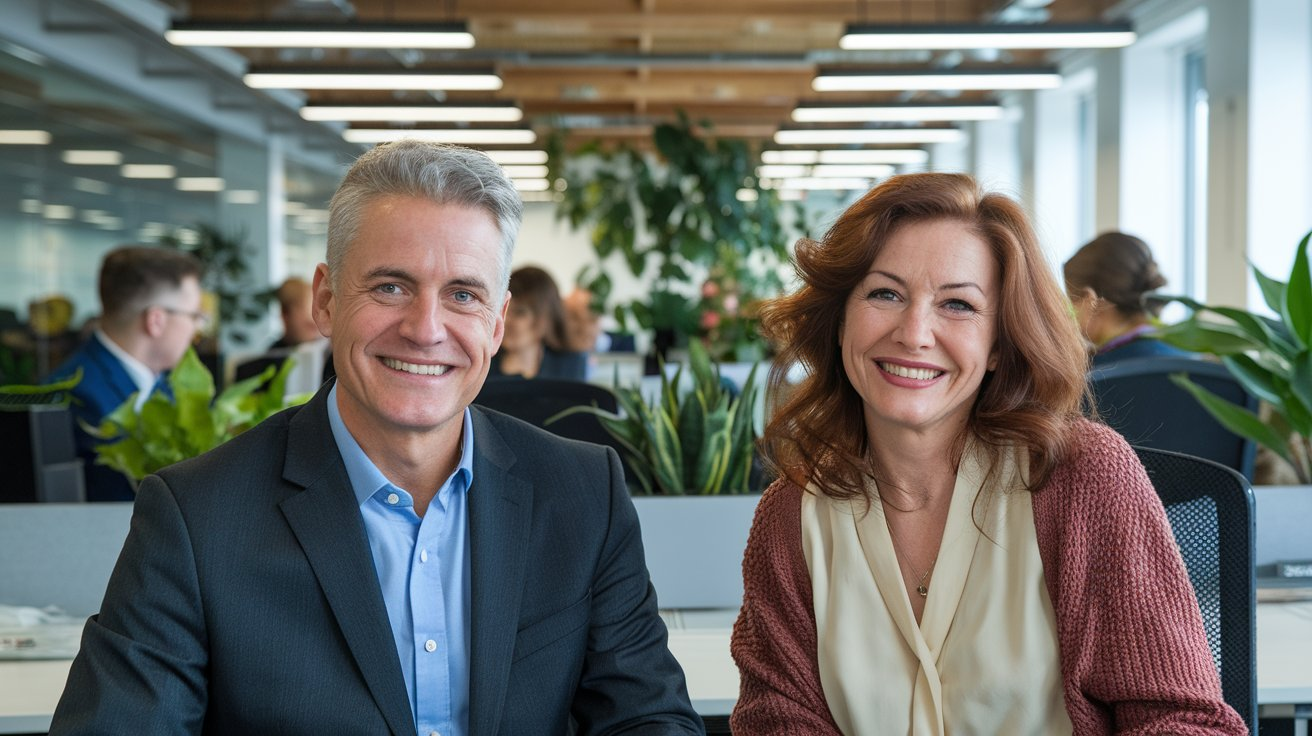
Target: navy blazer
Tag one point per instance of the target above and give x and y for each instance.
(105, 385)
(245, 600)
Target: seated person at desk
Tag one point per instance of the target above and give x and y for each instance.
(1108, 281)
(951, 548)
(387, 559)
(295, 308)
(150, 304)
(535, 341)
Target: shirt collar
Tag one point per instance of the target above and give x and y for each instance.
(366, 479)
(142, 376)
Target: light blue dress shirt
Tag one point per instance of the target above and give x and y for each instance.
(423, 569)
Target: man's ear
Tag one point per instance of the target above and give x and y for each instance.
(153, 321)
(322, 299)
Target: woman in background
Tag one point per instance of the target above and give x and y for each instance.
(534, 345)
(951, 548)
(1108, 281)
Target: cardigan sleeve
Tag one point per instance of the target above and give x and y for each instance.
(1135, 655)
(774, 639)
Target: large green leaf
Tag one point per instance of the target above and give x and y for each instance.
(1199, 336)
(1297, 309)
(1255, 378)
(1273, 291)
(1256, 327)
(1236, 418)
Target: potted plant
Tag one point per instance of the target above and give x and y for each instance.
(193, 421)
(690, 457)
(1272, 359)
(696, 213)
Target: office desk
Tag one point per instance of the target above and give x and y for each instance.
(29, 690)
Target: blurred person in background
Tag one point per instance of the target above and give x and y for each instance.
(536, 344)
(150, 301)
(1108, 281)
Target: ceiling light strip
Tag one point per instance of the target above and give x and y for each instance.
(376, 81)
(462, 136)
(895, 113)
(355, 35)
(847, 156)
(24, 137)
(995, 36)
(436, 113)
(868, 135)
(1016, 80)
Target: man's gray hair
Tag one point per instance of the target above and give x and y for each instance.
(438, 172)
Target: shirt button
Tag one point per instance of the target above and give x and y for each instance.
(392, 499)
(430, 645)
(423, 555)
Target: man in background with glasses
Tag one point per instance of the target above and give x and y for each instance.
(150, 304)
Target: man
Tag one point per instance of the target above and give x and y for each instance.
(386, 559)
(150, 312)
(300, 339)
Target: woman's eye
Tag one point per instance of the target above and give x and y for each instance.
(958, 305)
(882, 294)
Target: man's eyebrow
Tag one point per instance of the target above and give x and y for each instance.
(387, 272)
(943, 287)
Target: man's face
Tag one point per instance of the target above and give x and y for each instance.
(414, 317)
(183, 319)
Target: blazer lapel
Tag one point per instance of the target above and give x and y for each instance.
(500, 514)
(325, 518)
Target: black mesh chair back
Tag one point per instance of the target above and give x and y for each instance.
(1136, 398)
(1210, 508)
(535, 401)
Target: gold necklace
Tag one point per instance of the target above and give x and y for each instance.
(921, 587)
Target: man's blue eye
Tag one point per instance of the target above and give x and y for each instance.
(464, 296)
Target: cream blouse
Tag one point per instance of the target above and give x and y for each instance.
(983, 659)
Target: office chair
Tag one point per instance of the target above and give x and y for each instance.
(1210, 508)
(535, 401)
(1137, 399)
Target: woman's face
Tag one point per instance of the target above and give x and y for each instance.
(525, 329)
(920, 330)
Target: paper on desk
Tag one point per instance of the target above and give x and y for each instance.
(33, 633)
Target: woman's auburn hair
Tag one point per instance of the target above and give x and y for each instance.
(1031, 399)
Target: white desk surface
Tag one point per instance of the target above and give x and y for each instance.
(29, 690)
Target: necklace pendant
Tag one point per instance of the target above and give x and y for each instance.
(923, 590)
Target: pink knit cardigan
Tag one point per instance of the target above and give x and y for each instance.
(1134, 656)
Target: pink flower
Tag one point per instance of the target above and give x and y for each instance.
(710, 319)
(710, 289)
(731, 304)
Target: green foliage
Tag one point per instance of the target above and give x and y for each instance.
(1272, 358)
(194, 421)
(20, 397)
(681, 214)
(698, 442)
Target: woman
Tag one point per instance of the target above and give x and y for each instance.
(951, 548)
(1108, 281)
(534, 341)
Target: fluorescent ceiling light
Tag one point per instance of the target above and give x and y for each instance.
(149, 171)
(746, 195)
(525, 171)
(24, 137)
(426, 113)
(997, 36)
(199, 184)
(864, 171)
(88, 185)
(869, 135)
(92, 158)
(961, 80)
(518, 157)
(242, 197)
(895, 112)
(57, 212)
(353, 35)
(847, 156)
(464, 136)
(379, 81)
(531, 186)
(817, 183)
(30, 206)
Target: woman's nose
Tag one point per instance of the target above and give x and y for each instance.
(916, 328)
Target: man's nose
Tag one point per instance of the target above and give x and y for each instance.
(424, 321)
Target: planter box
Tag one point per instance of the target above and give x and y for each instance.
(1284, 523)
(695, 546)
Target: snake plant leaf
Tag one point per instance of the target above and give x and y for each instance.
(712, 460)
(1255, 378)
(1258, 328)
(1202, 336)
(1236, 418)
(1297, 308)
(665, 452)
(694, 427)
